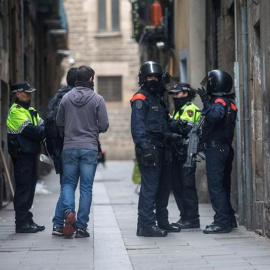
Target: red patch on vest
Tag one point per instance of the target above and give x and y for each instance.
(233, 107)
(221, 101)
(138, 96)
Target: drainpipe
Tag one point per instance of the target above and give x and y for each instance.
(22, 38)
(247, 140)
(239, 160)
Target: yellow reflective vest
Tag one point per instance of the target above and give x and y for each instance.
(190, 113)
(25, 128)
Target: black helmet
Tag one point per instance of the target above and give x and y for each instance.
(149, 68)
(218, 82)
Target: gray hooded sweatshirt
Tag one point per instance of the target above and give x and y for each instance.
(82, 115)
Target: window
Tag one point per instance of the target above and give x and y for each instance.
(184, 66)
(110, 87)
(108, 15)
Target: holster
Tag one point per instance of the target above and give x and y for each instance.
(148, 157)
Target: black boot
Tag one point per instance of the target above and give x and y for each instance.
(40, 228)
(153, 231)
(188, 224)
(169, 227)
(26, 228)
(214, 229)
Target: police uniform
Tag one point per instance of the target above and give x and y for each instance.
(24, 131)
(218, 131)
(183, 178)
(149, 123)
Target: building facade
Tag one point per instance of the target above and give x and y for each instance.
(31, 35)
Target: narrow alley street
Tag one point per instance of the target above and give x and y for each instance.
(113, 243)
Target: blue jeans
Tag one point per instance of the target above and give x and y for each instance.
(58, 219)
(78, 163)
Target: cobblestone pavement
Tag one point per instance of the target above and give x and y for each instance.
(113, 243)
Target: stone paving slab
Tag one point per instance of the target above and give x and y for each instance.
(113, 243)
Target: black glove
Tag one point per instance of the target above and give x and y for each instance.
(177, 125)
(203, 95)
(174, 137)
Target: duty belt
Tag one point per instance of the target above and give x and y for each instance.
(214, 144)
(157, 143)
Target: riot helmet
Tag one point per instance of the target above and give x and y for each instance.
(150, 68)
(218, 82)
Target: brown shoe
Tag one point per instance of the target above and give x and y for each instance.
(70, 219)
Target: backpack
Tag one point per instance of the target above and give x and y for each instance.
(51, 130)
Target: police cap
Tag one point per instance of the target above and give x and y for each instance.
(185, 87)
(22, 87)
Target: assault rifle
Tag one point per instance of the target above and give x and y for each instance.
(193, 143)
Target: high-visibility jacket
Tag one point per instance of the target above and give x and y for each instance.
(189, 112)
(25, 129)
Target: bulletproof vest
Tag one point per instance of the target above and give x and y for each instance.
(157, 115)
(222, 131)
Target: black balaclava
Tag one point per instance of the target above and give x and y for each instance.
(152, 86)
(180, 102)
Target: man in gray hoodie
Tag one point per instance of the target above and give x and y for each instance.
(82, 115)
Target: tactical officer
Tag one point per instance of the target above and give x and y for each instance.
(149, 123)
(24, 131)
(183, 178)
(218, 131)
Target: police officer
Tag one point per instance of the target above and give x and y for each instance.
(24, 131)
(183, 178)
(218, 131)
(149, 123)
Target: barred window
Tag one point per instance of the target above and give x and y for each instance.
(110, 87)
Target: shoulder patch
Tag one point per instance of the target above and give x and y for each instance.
(220, 100)
(139, 96)
(139, 104)
(233, 107)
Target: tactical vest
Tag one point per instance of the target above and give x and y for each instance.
(157, 115)
(222, 131)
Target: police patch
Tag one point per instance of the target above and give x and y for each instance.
(190, 113)
(155, 108)
(138, 104)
